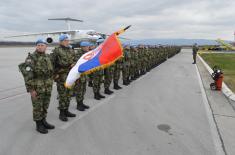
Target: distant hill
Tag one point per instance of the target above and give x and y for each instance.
(15, 43)
(178, 42)
(18, 43)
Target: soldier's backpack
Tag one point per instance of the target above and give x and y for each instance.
(26, 68)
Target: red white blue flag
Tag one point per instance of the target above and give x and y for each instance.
(99, 58)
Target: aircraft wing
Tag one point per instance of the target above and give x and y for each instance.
(71, 32)
(227, 45)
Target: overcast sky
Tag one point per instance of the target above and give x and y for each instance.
(194, 19)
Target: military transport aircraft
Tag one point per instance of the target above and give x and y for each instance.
(75, 35)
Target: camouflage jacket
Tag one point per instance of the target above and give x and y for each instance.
(126, 58)
(63, 59)
(195, 49)
(40, 71)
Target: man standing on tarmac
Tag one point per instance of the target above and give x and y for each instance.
(195, 49)
(80, 86)
(37, 71)
(63, 58)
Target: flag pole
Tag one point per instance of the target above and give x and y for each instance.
(122, 30)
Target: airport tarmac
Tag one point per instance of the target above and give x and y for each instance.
(164, 112)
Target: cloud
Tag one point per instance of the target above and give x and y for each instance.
(208, 19)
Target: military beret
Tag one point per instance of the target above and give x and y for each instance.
(63, 37)
(85, 44)
(41, 41)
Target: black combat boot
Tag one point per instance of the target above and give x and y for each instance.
(47, 125)
(116, 86)
(101, 96)
(90, 84)
(125, 82)
(96, 96)
(80, 106)
(40, 127)
(133, 78)
(108, 91)
(69, 114)
(62, 116)
(128, 81)
(84, 105)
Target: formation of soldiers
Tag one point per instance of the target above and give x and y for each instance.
(41, 69)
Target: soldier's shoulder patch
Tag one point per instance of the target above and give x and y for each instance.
(28, 68)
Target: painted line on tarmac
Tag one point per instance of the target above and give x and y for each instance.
(18, 95)
(99, 104)
(217, 139)
(12, 96)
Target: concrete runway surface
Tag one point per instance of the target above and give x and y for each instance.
(161, 113)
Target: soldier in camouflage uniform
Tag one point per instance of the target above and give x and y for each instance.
(136, 62)
(107, 74)
(97, 79)
(139, 60)
(116, 73)
(126, 66)
(63, 58)
(38, 71)
(195, 49)
(132, 63)
(80, 84)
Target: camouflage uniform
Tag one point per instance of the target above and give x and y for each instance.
(41, 81)
(97, 80)
(108, 76)
(195, 49)
(63, 60)
(126, 66)
(90, 79)
(80, 85)
(132, 63)
(80, 89)
(136, 63)
(116, 73)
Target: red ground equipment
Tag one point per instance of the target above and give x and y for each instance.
(217, 76)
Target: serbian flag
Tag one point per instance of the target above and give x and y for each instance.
(101, 57)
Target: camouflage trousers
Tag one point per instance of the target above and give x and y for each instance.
(80, 88)
(108, 76)
(116, 73)
(132, 69)
(136, 68)
(64, 95)
(126, 72)
(194, 58)
(40, 105)
(97, 80)
(90, 77)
